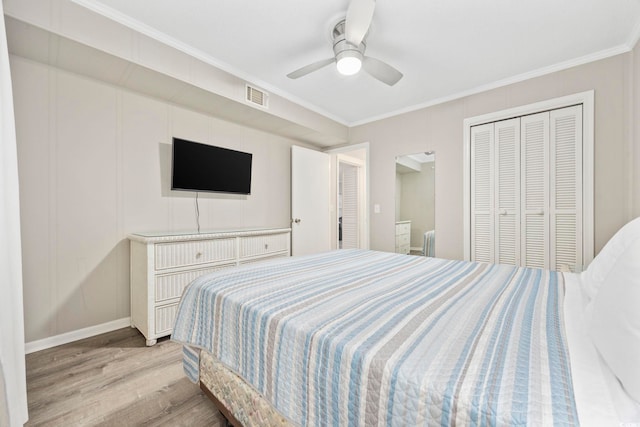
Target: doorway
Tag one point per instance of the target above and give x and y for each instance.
(317, 208)
(350, 195)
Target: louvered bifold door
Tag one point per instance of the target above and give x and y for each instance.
(482, 188)
(534, 190)
(507, 192)
(349, 206)
(565, 213)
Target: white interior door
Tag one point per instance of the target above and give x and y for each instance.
(565, 212)
(310, 201)
(534, 190)
(349, 209)
(507, 192)
(482, 193)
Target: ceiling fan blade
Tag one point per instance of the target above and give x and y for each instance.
(358, 20)
(381, 70)
(310, 68)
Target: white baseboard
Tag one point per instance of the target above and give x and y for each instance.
(79, 334)
(416, 248)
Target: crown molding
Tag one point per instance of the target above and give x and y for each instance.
(603, 54)
(634, 37)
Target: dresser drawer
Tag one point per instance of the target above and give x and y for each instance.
(403, 228)
(403, 249)
(402, 239)
(265, 258)
(165, 315)
(169, 286)
(263, 245)
(178, 254)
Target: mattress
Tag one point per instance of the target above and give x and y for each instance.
(369, 338)
(238, 398)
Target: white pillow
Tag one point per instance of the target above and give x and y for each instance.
(603, 263)
(615, 322)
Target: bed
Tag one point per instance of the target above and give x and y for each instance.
(355, 337)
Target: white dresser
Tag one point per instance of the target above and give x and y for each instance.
(403, 237)
(163, 264)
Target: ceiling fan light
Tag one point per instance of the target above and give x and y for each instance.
(349, 65)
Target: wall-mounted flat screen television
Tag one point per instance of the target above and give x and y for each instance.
(202, 167)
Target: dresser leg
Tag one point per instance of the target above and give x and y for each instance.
(151, 342)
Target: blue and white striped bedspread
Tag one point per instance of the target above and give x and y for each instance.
(356, 337)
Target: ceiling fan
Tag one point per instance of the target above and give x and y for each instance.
(349, 46)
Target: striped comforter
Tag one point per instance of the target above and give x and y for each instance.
(356, 337)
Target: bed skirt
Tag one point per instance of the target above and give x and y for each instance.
(240, 403)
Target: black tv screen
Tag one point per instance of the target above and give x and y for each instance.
(202, 167)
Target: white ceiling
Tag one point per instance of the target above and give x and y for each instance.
(444, 48)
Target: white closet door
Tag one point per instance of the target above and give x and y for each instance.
(565, 214)
(482, 193)
(507, 192)
(534, 190)
(527, 192)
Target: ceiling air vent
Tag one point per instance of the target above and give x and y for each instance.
(257, 97)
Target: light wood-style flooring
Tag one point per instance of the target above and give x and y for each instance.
(113, 379)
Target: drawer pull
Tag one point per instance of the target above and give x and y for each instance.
(199, 254)
(266, 246)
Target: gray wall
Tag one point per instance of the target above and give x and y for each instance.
(417, 202)
(94, 165)
(439, 128)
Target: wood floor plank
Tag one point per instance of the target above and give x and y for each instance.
(115, 380)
